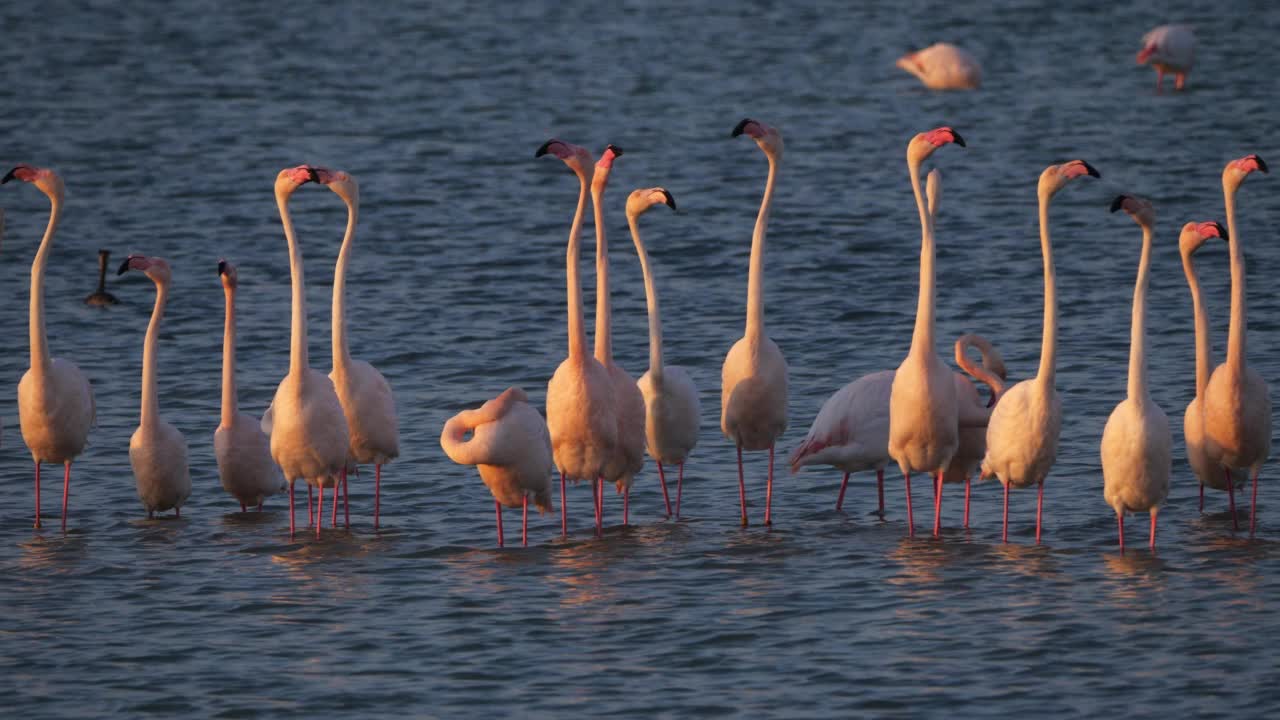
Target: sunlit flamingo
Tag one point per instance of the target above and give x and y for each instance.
(973, 436)
(943, 66)
(55, 401)
(1169, 49)
(101, 296)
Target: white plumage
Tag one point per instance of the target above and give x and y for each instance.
(943, 66)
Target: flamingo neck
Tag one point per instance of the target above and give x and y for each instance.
(230, 407)
(1138, 331)
(1049, 345)
(39, 343)
(922, 340)
(1203, 351)
(651, 299)
(150, 401)
(341, 353)
(755, 272)
(298, 361)
(577, 330)
(979, 373)
(604, 310)
(1239, 323)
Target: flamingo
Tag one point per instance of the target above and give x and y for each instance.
(55, 401)
(1208, 470)
(1237, 402)
(511, 448)
(753, 394)
(1022, 433)
(581, 409)
(366, 398)
(672, 410)
(243, 451)
(973, 437)
(629, 454)
(101, 296)
(923, 413)
(1169, 48)
(309, 435)
(157, 450)
(1136, 443)
(943, 66)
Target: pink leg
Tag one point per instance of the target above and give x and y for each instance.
(497, 508)
(742, 489)
(1253, 506)
(1159, 81)
(1180, 80)
(1201, 498)
(880, 489)
(564, 511)
(333, 514)
(1120, 515)
(37, 493)
(768, 492)
(310, 511)
(377, 494)
(966, 502)
(679, 489)
(346, 502)
(911, 519)
(320, 511)
(1039, 510)
(524, 522)
(1231, 498)
(662, 478)
(840, 498)
(937, 507)
(291, 509)
(1004, 536)
(67, 488)
(626, 507)
(600, 507)
(1153, 531)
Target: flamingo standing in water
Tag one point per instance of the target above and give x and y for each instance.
(1208, 470)
(157, 450)
(309, 435)
(1237, 402)
(923, 413)
(581, 409)
(973, 437)
(1022, 434)
(511, 448)
(243, 451)
(943, 66)
(672, 410)
(1169, 49)
(1136, 443)
(366, 397)
(55, 401)
(753, 380)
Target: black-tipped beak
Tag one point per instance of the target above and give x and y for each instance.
(124, 266)
(313, 175)
(671, 202)
(542, 150)
(958, 140)
(617, 151)
(1117, 203)
(1221, 230)
(9, 175)
(740, 127)
(1091, 169)
(1262, 165)
(222, 267)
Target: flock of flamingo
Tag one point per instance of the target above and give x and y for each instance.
(600, 422)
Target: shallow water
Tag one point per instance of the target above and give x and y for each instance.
(169, 129)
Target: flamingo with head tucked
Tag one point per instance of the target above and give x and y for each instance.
(1169, 49)
(55, 401)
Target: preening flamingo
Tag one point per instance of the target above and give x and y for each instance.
(157, 450)
(1208, 470)
(309, 435)
(1169, 49)
(55, 401)
(672, 410)
(943, 66)
(581, 409)
(243, 451)
(511, 448)
(366, 398)
(1137, 446)
(973, 436)
(923, 413)
(101, 296)
(753, 380)
(1237, 401)
(1022, 434)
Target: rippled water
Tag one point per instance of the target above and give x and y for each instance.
(169, 126)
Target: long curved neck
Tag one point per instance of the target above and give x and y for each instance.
(577, 330)
(1138, 329)
(1239, 324)
(150, 402)
(102, 273)
(1049, 345)
(604, 311)
(651, 298)
(979, 373)
(755, 272)
(341, 353)
(922, 337)
(230, 407)
(298, 361)
(39, 344)
(1203, 360)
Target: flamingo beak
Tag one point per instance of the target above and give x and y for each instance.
(671, 202)
(1117, 203)
(222, 267)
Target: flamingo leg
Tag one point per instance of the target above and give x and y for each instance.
(840, 498)
(346, 502)
(66, 490)
(911, 520)
(1201, 498)
(966, 502)
(1159, 80)
(679, 489)
(1180, 80)
(497, 509)
(768, 492)
(333, 515)
(1153, 530)
(880, 489)
(291, 509)
(600, 507)
(310, 512)
(1004, 535)
(564, 511)
(1120, 515)
(320, 511)
(937, 507)
(1231, 498)
(662, 478)
(243, 508)
(37, 493)
(377, 494)
(524, 522)
(742, 489)
(626, 507)
(1039, 510)
(1253, 505)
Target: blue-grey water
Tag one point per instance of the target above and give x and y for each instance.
(169, 123)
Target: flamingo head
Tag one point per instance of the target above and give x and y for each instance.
(768, 138)
(1195, 234)
(1056, 177)
(575, 156)
(43, 178)
(923, 144)
(338, 181)
(1145, 53)
(643, 199)
(291, 179)
(1137, 208)
(911, 63)
(153, 267)
(600, 180)
(227, 271)
(1237, 170)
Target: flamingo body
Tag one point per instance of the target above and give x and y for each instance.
(943, 66)
(56, 410)
(1136, 457)
(1169, 49)
(245, 466)
(753, 389)
(1022, 435)
(851, 431)
(672, 414)
(509, 445)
